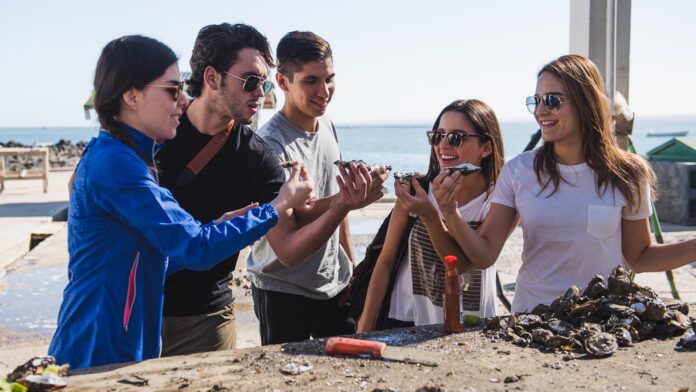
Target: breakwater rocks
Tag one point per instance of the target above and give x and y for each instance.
(62, 155)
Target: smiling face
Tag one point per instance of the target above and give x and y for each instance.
(157, 114)
(310, 91)
(562, 126)
(231, 100)
(472, 149)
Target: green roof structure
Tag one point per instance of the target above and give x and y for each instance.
(678, 149)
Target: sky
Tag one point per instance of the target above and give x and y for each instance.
(395, 61)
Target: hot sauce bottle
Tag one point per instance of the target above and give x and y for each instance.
(453, 297)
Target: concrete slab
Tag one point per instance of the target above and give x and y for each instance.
(24, 208)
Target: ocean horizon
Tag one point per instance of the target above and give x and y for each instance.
(403, 146)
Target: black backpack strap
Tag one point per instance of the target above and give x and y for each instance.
(360, 281)
(400, 254)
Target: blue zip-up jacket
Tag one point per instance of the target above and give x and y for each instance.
(123, 230)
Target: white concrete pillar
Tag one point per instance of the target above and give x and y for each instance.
(601, 30)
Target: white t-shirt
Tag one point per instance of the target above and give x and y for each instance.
(568, 237)
(418, 290)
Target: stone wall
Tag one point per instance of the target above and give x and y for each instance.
(675, 193)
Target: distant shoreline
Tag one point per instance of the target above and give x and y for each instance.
(62, 155)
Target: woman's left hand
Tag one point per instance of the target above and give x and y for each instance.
(233, 214)
(419, 204)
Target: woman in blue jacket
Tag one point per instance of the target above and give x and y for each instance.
(124, 230)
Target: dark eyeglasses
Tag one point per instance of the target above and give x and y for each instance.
(552, 102)
(173, 89)
(252, 82)
(454, 138)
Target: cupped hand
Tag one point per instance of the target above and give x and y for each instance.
(419, 203)
(296, 191)
(445, 189)
(355, 185)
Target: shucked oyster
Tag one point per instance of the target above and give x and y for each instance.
(286, 164)
(346, 164)
(405, 178)
(465, 168)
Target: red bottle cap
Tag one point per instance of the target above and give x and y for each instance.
(450, 260)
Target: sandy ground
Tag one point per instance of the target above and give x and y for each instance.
(467, 361)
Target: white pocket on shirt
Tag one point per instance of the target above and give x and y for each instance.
(603, 221)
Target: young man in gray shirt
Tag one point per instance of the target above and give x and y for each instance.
(297, 285)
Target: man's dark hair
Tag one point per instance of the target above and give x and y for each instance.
(297, 48)
(218, 46)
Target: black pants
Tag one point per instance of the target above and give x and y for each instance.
(287, 317)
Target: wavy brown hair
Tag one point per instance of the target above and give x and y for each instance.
(482, 117)
(613, 167)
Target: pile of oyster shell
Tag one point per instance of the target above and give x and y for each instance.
(39, 374)
(597, 320)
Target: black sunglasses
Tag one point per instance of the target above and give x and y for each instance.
(552, 102)
(173, 89)
(252, 82)
(454, 138)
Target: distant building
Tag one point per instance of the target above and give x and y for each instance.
(674, 163)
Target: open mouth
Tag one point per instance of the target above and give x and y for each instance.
(448, 159)
(548, 123)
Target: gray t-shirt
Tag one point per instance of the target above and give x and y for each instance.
(327, 271)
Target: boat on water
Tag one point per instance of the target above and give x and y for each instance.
(652, 133)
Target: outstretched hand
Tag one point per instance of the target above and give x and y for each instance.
(296, 191)
(445, 190)
(419, 203)
(233, 214)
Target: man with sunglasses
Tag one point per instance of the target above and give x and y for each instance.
(297, 285)
(230, 65)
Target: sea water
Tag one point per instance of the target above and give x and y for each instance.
(403, 146)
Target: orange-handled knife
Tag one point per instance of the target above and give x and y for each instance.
(348, 346)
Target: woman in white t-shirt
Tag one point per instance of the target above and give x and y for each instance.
(583, 202)
(465, 131)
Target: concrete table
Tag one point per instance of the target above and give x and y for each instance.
(42, 173)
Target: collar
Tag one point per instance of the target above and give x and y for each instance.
(146, 147)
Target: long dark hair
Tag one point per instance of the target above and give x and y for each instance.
(127, 62)
(612, 166)
(482, 117)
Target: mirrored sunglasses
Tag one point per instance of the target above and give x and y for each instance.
(454, 139)
(252, 82)
(552, 102)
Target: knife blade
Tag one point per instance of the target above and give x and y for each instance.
(348, 346)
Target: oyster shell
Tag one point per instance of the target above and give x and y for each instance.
(370, 167)
(674, 324)
(595, 288)
(687, 342)
(286, 164)
(619, 283)
(562, 304)
(465, 168)
(405, 178)
(601, 344)
(541, 335)
(623, 336)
